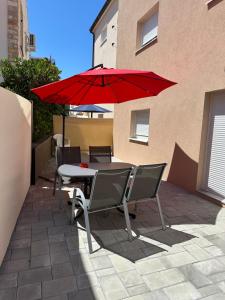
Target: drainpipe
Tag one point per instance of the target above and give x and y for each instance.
(93, 48)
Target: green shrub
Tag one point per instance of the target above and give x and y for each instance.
(20, 76)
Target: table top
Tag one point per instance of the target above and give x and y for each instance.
(77, 171)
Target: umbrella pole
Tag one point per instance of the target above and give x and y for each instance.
(91, 115)
(63, 131)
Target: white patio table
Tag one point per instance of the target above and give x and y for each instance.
(73, 171)
(76, 171)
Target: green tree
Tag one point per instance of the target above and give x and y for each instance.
(20, 76)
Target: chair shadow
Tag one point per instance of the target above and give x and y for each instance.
(108, 230)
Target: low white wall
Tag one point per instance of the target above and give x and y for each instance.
(15, 161)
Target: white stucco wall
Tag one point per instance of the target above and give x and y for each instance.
(106, 53)
(15, 161)
(25, 28)
(3, 29)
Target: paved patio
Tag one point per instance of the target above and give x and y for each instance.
(48, 258)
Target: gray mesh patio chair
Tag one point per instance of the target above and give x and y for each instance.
(70, 155)
(144, 186)
(101, 154)
(107, 192)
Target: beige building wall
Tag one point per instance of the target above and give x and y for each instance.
(15, 161)
(3, 29)
(86, 132)
(13, 29)
(105, 53)
(190, 50)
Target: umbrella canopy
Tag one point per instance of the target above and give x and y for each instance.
(102, 85)
(91, 108)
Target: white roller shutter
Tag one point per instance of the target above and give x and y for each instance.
(216, 153)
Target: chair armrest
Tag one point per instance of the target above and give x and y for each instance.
(78, 195)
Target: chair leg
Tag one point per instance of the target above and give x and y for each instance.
(54, 186)
(126, 213)
(160, 213)
(60, 187)
(87, 225)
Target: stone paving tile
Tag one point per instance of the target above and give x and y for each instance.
(59, 297)
(178, 259)
(150, 266)
(58, 286)
(221, 285)
(189, 256)
(197, 252)
(217, 277)
(121, 264)
(214, 251)
(60, 257)
(155, 295)
(105, 272)
(209, 267)
(195, 276)
(55, 238)
(81, 264)
(62, 270)
(29, 292)
(163, 278)
(102, 262)
(35, 275)
(40, 261)
(218, 296)
(182, 291)
(20, 253)
(23, 243)
(39, 248)
(113, 288)
(58, 247)
(209, 290)
(130, 278)
(8, 280)
(14, 266)
(137, 289)
(8, 294)
(87, 280)
(87, 294)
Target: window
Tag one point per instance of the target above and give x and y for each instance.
(140, 125)
(104, 35)
(149, 29)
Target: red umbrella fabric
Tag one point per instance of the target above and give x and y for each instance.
(103, 85)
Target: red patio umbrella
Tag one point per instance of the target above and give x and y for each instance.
(102, 85)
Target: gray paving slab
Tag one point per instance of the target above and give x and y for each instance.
(62, 270)
(29, 292)
(8, 294)
(8, 280)
(34, 275)
(58, 286)
(187, 261)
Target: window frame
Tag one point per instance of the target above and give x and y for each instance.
(104, 30)
(134, 137)
(140, 24)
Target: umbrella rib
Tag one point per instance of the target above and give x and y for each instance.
(113, 92)
(82, 87)
(132, 83)
(89, 87)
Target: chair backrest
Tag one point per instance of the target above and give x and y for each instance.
(108, 188)
(100, 154)
(58, 138)
(68, 155)
(145, 182)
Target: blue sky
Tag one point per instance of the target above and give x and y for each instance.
(62, 31)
